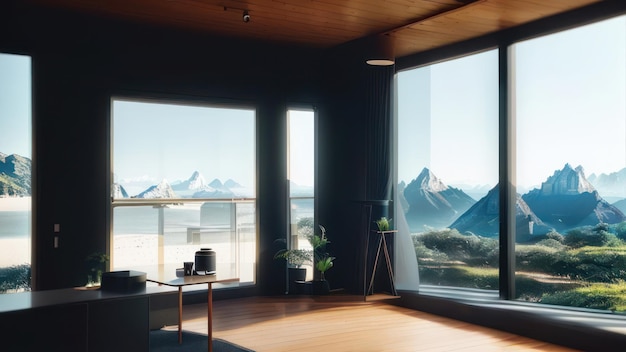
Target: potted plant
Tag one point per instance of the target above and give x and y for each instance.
(96, 265)
(295, 258)
(317, 256)
(323, 261)
(383, 224)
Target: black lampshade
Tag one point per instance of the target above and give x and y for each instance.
(381, 51)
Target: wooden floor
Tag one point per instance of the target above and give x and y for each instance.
(345, 324)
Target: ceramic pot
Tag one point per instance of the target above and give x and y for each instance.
(205, 262)
(297, 278)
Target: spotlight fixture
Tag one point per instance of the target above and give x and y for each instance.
(246, 16)
(381, 51)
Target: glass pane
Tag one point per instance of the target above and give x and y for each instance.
(15, 173)
(172, 233)
(570, 108)
(448, 169)
(301, 180)
(184, 179)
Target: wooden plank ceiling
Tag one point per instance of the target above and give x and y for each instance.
(415, 25)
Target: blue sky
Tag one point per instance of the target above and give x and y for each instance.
(15, 105)
(571, 108)
(570, 98)
(166, 141)
(301, 142)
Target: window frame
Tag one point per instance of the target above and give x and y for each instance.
(185, 101)
(503, 42)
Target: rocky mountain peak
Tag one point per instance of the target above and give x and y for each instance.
(162, 190)
(567, 181)
(429, 182)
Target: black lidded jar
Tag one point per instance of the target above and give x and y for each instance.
(205, 262)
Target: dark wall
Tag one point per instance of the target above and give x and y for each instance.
(342, 164)
(80, 61)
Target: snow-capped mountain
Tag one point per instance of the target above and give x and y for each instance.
(483, 218)
(431, 203)
(118, 191)
(564, 201)
(194, 187)
(190, 186)
(136, 185)
(162, 190)
(215, 189)
(567, 199)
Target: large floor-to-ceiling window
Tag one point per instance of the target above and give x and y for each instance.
(301, 176)
(570, 113)
(566, 130)
(184, 179)
(15, 173)
(448, 169)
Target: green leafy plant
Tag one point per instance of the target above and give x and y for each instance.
(323, 260)
(295, 257)
(96, 265)
(324, 264)
(317, 256)
(383, 224)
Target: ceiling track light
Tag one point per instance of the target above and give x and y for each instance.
(245, 16)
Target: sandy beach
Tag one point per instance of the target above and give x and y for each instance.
(140, 250)
(14, 251)
(15, 203)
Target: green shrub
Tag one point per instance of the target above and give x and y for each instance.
(552, 243)
(595, 296)
(426, 255)
(553, 235)
(531, 289)
(460, 276)
(620, 230)
(15, 278)
(535, 258)
(599, 264)
(469, 249)
(586, 236)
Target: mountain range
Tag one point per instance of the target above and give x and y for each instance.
(567, 199)
(194, 187)
(15, 175)
(432, 203)
(564, 201)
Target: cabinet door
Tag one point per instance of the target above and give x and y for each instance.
(119, 324)
(54, 328)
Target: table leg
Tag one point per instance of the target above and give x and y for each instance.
(380, 242)
(389, 268)
(180, 314)
(210, 316)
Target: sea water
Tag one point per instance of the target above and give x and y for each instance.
(173, 220)
(14, 224)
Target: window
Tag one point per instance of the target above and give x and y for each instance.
(301, 174)
(570, 108)
(568, 124)
(184, 179)
(15, 173)
(448, 169)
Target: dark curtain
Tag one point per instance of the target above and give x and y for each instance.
(378, 181)
(379, 103)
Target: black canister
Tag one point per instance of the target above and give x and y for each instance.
(205, 261)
